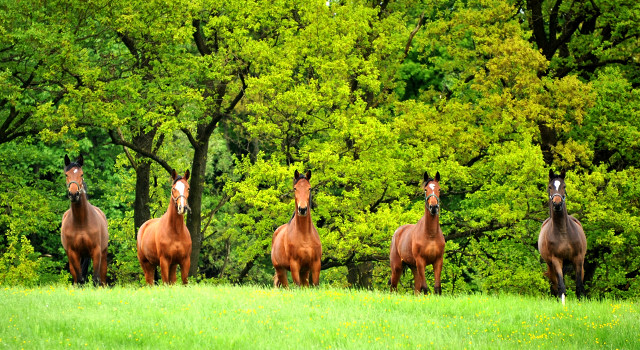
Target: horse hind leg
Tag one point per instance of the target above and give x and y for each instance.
(281, 276)
(579, 267)
(304, 277)
(173, 273)
(84, 270)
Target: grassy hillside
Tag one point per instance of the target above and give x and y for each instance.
(222, 317)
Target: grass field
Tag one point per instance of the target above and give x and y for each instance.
(223, 317)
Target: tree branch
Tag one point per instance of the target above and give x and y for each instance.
(412, 34)
(116, 139)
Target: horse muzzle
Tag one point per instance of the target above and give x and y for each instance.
(182, 209)
(303, 211)
(73, 197)
(557, 200)
(434, 209)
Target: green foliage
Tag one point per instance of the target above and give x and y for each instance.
(17, 263)
(368, 96)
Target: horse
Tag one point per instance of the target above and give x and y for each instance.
(421, 244)
(561, 239)
(296, 246)
(84, 233)
(166, 241)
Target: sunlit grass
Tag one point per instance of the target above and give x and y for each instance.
(200, 316)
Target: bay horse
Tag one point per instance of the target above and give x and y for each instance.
(421, 244)
(296, 246)
(561, 239)
(165, 241)
(83, 232)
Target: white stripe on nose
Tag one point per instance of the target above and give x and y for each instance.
(557, 184)
(180, 188)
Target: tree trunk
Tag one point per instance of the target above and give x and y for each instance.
(360, 275)
(195, 198)
(141, 212)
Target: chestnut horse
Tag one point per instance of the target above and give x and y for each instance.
(561, 239)
(296, 245)
(166, 241)
(421, 244)
(84, 232)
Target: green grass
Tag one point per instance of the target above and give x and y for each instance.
(221, 317)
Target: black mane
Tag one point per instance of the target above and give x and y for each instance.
(71, 166)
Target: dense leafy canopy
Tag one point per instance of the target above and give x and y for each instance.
(366, 95)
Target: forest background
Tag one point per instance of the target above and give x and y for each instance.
(368, 95)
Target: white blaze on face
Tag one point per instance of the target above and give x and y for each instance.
(75, 171)
(180, 188)
(557, 184)
(432, 186)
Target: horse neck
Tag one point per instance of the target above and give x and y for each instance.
(80, 209)
(175, 220)
(303, 223)
(559, 219)
(431, 223)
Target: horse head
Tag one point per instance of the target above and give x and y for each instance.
(557, 190)
(75, 181)
(432, 193)
(180, 191)
(302, 192)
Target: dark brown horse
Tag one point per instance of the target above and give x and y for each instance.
(84, 231)
(296, 245)
(422, 244)
(166, 241)
(561, 239)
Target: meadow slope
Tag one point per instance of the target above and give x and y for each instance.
(222, 317)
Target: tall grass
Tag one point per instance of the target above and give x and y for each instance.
(221, 317)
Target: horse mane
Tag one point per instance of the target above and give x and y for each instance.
(295, 181)
(71, 166)
(428, 180)
(177, 179)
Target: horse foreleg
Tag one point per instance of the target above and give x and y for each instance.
(315, 272)
(555, 270)
(74, 265)
(164, 269)
(295, 272)
(420, 281)
(184, 270)
(96, 258)
(304, 277)
(437, 269)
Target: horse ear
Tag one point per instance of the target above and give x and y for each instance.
(296, 175)
(438, 176)
(186, 174)
(562, 174)
(308, 175)
(67, 161)
(174, 174)
(80, 160)
(425, 176)
(551, 176)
